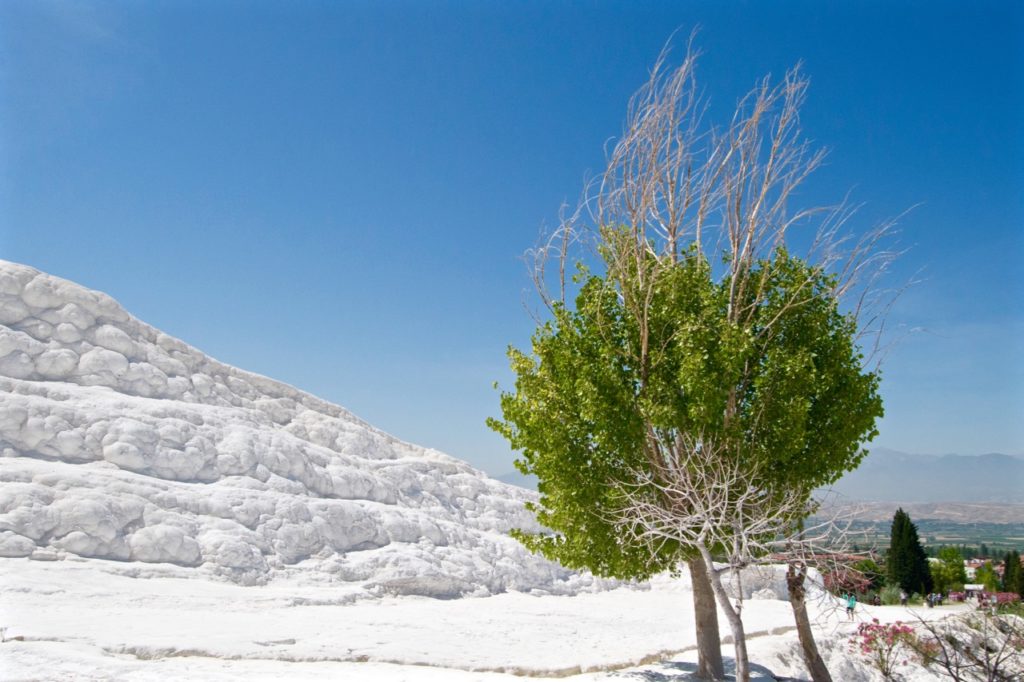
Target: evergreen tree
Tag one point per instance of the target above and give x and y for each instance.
(907, 564)
(1013, 576)
(898, 561)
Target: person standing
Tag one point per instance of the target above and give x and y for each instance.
(851, 604)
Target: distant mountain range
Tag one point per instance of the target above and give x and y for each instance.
(952, 513)
(519, 479)
(892, 476)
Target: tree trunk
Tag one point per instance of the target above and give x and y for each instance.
(705, 613)
(739, 638)
(812, 659)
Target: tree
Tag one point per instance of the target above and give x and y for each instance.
(704, 347)
(871, 572)
(574, 417)
(1013, 576)
(906, 563)
(987, 576)
(796, 577)
(948, 573)
(729, 511)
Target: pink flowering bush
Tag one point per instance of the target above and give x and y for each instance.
(883, 646)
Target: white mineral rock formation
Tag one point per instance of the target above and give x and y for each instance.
(120, 442)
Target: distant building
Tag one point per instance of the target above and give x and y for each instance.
(972, 590)
(971, 566)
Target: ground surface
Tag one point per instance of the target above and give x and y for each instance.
(78, 620)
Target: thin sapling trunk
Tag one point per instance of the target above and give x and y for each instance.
(732, 614)
(795, 576)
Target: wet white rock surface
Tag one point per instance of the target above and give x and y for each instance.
(119, 442)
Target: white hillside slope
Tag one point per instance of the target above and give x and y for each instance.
(120, 442)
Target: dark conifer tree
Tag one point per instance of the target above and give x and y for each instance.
(1013, 576)
(897, 561)
(907, 564)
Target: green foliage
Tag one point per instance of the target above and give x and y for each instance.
(1013, 576)
(906, 563)
(948, 573)
(987, 576)
(652, 351)
(890, 594)
(872, 572)
(952, 557)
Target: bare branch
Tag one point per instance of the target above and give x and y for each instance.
(674, 184)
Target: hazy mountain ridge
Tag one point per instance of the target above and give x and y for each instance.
(964, 513)
(892, 476)
(517, 478)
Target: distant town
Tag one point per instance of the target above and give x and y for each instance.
(930, 562)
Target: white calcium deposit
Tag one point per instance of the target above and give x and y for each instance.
(122, 443)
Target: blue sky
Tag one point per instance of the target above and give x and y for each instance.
(338, 195)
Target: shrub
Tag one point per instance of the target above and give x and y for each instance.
(890, 594)
(883, 646)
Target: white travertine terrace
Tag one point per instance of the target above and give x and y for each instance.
(120, 442)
